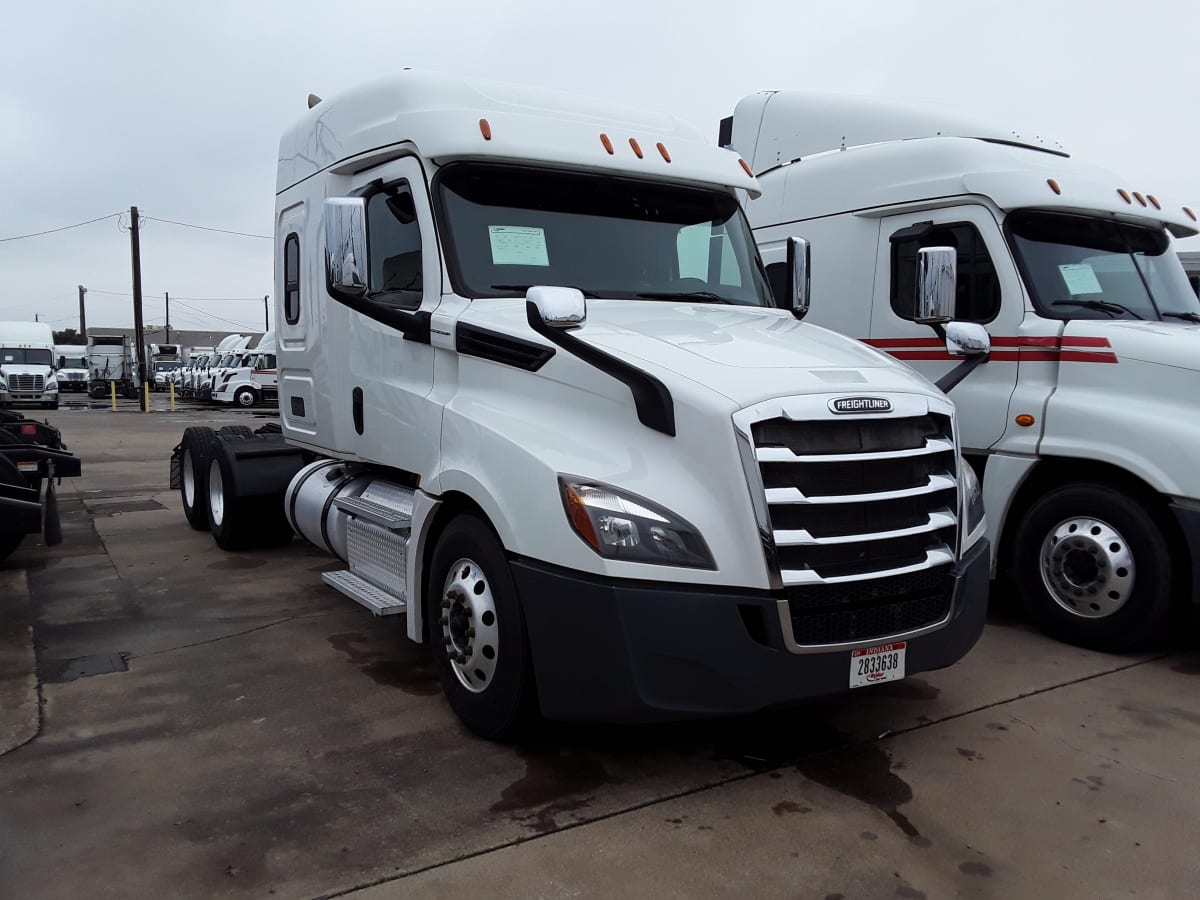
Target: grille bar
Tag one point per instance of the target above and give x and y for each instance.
(795, 495)
(935, 556)
(785, 454)
(800, 537)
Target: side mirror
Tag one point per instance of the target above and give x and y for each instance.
(799, 259)
(967, 339)
(62, 362)
(937, 284)
(346, 262)
(558, 307)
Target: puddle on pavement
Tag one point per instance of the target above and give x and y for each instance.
(416, 675)
(122, 506)
(59, 671)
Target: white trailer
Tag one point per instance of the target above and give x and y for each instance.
(27, 365)
(559, 422)
(1077, 425)
(111, 362)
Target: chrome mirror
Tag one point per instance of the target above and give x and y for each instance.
(967, 339)
(937, 282)
(346, 263)
(799, 259)
(558, 307)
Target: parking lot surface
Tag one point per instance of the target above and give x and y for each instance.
(179, 721)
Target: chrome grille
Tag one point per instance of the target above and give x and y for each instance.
(26, 382)
(855, 498)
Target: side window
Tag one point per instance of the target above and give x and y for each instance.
(394, 242)
(978, 298)
(291, 279)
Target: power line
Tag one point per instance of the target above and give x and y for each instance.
(21, 237)
(220, 318)
(173, 297)
(265, 237)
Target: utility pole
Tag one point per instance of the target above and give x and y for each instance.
(168, 298)
(135, 248)
(266, 314)
(82, 315)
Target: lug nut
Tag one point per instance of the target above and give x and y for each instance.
(470, 633)
(445, 620)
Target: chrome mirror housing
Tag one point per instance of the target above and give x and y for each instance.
(967, 339)
(346, 262)
(799, 266)
(558, 307)
(937, 284)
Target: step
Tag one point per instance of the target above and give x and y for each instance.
(377, 600)
(385, 516)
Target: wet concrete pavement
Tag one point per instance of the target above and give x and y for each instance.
(209, 724)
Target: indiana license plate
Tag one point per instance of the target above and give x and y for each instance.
(874, 665)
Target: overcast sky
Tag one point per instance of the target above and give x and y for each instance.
(178, 107)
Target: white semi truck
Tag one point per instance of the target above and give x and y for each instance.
(254, 380)
(27, 375)
(71, 363)
(535, 391)
(1078, 424)
(111, 365)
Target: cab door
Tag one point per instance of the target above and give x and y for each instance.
(989, 292)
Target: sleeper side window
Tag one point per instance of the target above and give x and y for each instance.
(291, 279)
(394, 242)
(978, 295)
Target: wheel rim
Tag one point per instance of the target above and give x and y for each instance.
(189, 479)
(245, 398)
(470, 630)
(1087, 567)
(216, 494)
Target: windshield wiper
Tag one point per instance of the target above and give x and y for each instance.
(1186, 316)
(1102, 305)
(592, 295)
(698, 296)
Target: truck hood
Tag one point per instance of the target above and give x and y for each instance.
(19, 369)
(746, 354)
(1175, 344)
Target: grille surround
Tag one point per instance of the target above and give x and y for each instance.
(23, 382)
(845, 506)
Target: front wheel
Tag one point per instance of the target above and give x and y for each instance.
(245, 397)
(1095, 569)
(477, 631)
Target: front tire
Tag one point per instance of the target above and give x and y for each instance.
(477, 631)
(1094, 568)
(245, 397)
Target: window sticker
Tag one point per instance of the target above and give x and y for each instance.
(1080, 279)
(518, 245)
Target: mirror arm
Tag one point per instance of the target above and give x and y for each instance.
(948, 381)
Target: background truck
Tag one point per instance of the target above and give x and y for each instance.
(164, 362)
(254, 380)
(32, 458)
(569, 434)
(111, 361)
(27, 365)
(1079, 424)
(72, 364)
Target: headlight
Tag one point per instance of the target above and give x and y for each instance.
(973, 512)
(51, 386)
(619, 525)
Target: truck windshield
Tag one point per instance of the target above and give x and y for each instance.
(74, 362)
(1082, 267)
(166, 366)
(26, 356)
(512, 227)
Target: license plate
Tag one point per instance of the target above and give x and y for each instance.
(875, 665)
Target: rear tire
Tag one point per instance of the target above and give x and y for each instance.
(242, 523)
(198, 444)
(1095, 568)
(473, 611)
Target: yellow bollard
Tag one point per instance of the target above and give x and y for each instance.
(172, 396)
(146, 391)
(113, 385)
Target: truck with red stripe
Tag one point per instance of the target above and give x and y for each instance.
(1075, 416)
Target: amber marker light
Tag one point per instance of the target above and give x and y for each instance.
(1025, 420)
(1191, 215)
(485, 129)
(746, 167)
(578, 515)
(607, 144)
(1139, 198)
(1154, 201)
(1054, 185)
(662, 149)
(637, 148)
(1124, 195)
